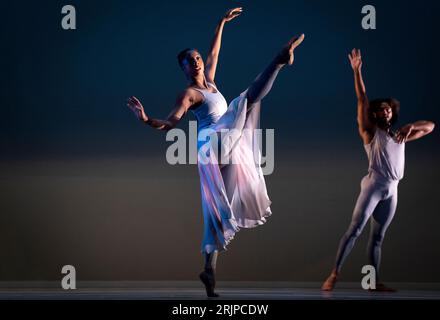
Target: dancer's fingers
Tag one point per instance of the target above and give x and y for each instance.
(232, 13)
(131, 102)
(353, 52)
(132, 108)
(137, 100)
(134, 105)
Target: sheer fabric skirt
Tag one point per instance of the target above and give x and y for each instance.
(233, 188)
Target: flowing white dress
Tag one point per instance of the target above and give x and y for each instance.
(234, 195)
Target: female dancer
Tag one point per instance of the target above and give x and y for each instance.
(233, 195)
(386, 154)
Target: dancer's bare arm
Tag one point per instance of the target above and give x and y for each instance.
(212, 59)
(414, 131)
(366, 128)
(183, 103)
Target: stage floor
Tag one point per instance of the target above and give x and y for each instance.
(195, 292)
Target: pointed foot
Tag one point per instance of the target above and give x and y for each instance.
(209, 281)
(286, 56)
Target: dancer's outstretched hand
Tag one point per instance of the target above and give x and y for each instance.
(355, 59)
(232, 14)
(136, 106)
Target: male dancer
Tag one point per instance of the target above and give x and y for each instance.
(386, 154)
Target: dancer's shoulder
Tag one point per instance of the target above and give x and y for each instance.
(192, 96)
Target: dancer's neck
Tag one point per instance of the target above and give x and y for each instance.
(199, 81)
(385, 126)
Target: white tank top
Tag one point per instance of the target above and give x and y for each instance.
(386, 157)
(213, 107)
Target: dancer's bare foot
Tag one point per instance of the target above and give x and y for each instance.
(286, 55)
(208, 279)
(380, 287)
(330, 282)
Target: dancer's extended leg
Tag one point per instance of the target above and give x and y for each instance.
(263, 83)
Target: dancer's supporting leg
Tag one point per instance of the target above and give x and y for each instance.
(263, 83)
(382, 217)
(257, 91)
(365, 206)
(211, 261)
(208, 275)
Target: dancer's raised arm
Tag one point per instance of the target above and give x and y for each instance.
(414, 131)
(363, 106)
(212, 58)
(183, 102)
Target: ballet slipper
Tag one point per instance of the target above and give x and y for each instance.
(286, 55)
(208, 279)
(329, 283)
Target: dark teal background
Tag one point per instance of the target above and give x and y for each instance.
(83, 183)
